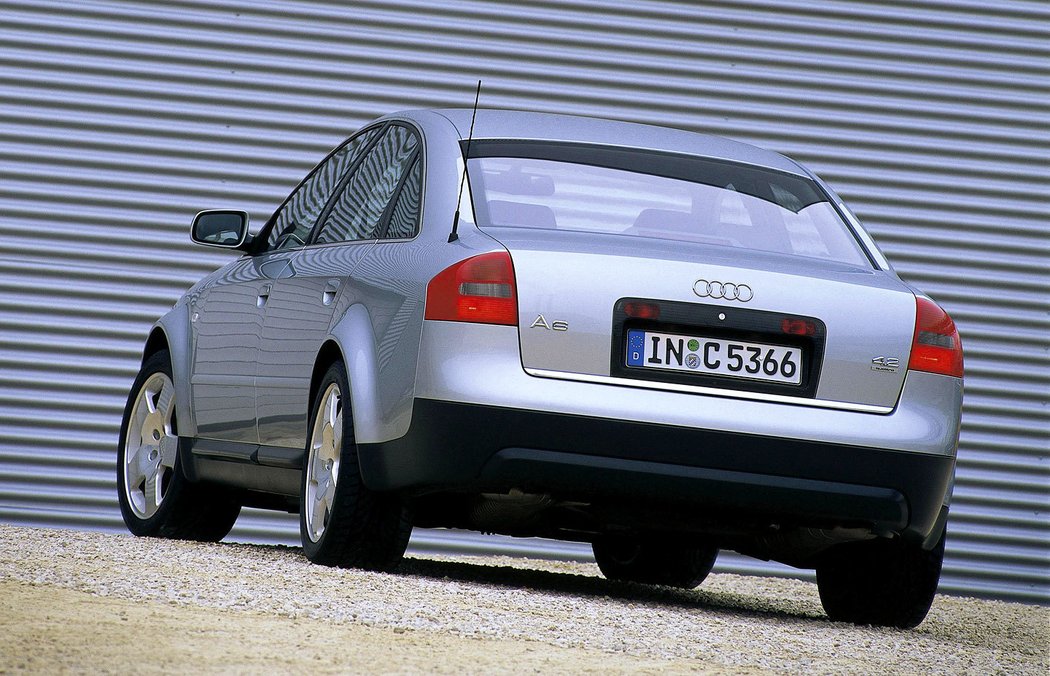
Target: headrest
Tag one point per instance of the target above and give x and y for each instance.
(665, 219)
(519, 214)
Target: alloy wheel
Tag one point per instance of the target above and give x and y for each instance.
(322, 470)
(151, 446)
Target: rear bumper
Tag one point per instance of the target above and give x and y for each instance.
(481, 364)
(752, 478)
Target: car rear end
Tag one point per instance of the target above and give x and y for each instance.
(659, 342)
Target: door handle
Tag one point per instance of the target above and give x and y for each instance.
(330, 290)
(264, 295)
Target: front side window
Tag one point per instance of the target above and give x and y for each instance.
(358, 212)
(656, 196)
(297, 216)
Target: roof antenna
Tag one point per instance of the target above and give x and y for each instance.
(453, 236)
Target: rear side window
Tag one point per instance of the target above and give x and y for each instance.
(656, 196)
(404, 218)
(358, 212)
(298, 215)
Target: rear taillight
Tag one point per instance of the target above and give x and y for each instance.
(479, 289)
(936, 347)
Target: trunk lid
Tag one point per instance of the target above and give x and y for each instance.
(583, 297)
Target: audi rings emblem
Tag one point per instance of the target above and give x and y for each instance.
(724, 290)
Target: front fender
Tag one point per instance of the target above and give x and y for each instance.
(175, 326)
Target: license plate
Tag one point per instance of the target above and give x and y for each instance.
(714, 356)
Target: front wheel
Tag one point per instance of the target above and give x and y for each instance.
(882, 582)
(342, 522)
(155, 497)
(655, 561)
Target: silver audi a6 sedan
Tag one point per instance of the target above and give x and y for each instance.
(658, 342)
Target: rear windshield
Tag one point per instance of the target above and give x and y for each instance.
(652, 195)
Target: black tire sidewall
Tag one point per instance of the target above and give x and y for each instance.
(881, 582)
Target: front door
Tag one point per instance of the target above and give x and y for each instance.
(225, 322)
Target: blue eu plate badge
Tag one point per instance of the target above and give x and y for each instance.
(635, 347)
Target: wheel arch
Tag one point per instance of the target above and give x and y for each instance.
(156, 342)
(329, 353)
(172, 332)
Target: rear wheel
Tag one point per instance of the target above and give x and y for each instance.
(881, 582)
(342, 522)
(155, 497)
(655, 561)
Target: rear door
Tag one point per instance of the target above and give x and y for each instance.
(318, 286)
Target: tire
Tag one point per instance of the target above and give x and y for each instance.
(652, 561)
(889, 583)
(156, 499)
(341, 522)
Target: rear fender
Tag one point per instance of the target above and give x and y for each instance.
(356, 340)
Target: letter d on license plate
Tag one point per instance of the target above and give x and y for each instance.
(714, 356)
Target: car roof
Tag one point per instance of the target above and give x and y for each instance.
(516, 124)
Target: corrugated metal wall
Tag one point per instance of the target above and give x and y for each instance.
(119, 120)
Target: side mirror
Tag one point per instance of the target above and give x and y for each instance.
(225, 228)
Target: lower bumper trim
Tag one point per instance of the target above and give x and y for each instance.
(801, 500)
(456, 447)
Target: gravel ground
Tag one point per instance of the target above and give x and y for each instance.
(86, 601)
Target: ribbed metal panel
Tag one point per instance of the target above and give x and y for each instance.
(119, 120)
